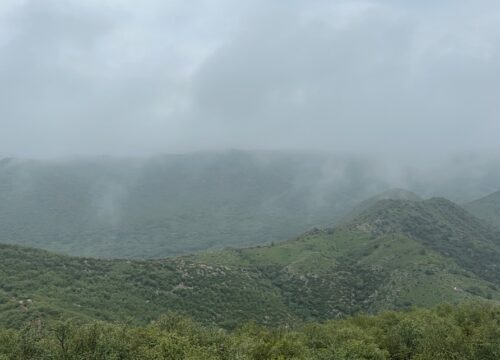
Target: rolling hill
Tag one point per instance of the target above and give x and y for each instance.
(395, 254)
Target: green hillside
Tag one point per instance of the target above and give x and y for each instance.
(487, 208)
(439, 225)
(393, 255)
(396, 253)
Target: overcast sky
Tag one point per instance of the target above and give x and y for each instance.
(130, 77)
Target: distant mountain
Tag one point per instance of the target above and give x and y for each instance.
(175, 204)
(487, 208)
(178, 204)
(395, 254)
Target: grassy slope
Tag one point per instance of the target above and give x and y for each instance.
(396, 254)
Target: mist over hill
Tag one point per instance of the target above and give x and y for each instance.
(249, 180)
(176, 204)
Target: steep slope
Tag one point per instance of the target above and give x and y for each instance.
(486, 208)
(395, 254)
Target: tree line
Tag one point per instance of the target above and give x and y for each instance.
(469, 331)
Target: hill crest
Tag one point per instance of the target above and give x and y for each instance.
(487, 208)
(391, 194)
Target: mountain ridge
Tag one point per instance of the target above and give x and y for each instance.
(451, 238)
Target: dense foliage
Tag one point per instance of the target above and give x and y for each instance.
(446, 332)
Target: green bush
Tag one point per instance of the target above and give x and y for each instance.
(446, 332)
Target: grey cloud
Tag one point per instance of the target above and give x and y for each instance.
(118, 77)
(365, 86)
